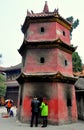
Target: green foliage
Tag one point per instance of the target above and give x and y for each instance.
(74, 23)
(2, 85)
(77, 62)
(70, 19)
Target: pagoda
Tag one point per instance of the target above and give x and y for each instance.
(47, 66)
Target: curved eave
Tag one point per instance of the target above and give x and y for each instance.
(46, 44)
(80, 83)
(45, 18)
(56, 77)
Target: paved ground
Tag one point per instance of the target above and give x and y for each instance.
(11, 123)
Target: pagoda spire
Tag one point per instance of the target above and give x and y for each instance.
(45, 10)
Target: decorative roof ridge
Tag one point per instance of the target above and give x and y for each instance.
(55, 13)
(38, 73)
(42, 14)
(50, 77)
(55, 43)
(59, 40)
(45, 12)
(58, 74)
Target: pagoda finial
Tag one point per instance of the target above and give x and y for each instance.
(46, 8)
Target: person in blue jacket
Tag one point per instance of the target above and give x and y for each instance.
(35, 104)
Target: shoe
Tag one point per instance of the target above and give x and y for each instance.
(43, 126)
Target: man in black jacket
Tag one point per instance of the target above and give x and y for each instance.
(35, 111)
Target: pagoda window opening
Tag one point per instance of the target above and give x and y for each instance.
(66, 63)
(69, 99)
(42, 60)
(69, 102)
(63, 33)
(42, 29)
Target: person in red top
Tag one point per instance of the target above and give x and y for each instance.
(8, 106)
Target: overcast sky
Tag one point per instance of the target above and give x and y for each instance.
(12, 16)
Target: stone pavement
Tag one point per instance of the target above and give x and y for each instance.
(11, 123)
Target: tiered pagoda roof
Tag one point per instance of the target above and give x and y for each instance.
(45, 16)
(57, 43)
(46, 77)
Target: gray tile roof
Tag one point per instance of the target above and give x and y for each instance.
(80, 83)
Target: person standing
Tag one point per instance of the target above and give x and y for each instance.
(8, 106)
(35, 104)
(44, 113)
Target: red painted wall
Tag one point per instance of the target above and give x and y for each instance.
(63, 57)
(52, 31)
(66, 112)
(54, 61)
(59, 33)
(34, 31)
(26, 109)
(59, 112)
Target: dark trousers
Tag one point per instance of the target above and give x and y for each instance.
(34, 116)
(8, 110)
(45, 121)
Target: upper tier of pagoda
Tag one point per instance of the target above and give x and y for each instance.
(42, 17)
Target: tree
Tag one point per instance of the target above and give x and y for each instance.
(2, 85)
(74, 24)
(76, 62)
